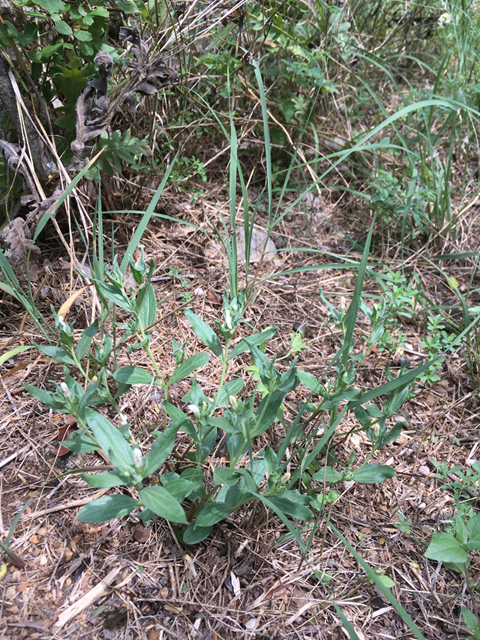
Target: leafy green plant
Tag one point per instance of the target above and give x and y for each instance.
(403, 524)
(462, 535)
(437, 341)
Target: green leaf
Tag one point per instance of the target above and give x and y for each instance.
(148, 310)
(133, 375)
(177, 415)
(127, 6)
(205, 333)
(371, 473)
(161, 449)
(103, 480)
(194, 534)
(212, 513)
(257, 339)
(225, 475)
(473, 528)
(106, 508)
(189, 366)
(338, 398)
(86, 339)
(62, 27)
(179, 488)
(80, 444)
(113, 294)
(328, 474)
(310, 381)
(386, 581)
(47, 397)
(83, 36)
(12, 353)
(56, 353)
(52, 6)
(232, 388)
(445, 548)
(470, 619)
(292, 503)
(110, 440)
(161, 502)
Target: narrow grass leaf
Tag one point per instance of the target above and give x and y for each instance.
(376, 579)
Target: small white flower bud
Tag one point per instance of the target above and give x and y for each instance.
(233, 402)
(228, 319)
(137, 458)
(65, 390)
(194, 409)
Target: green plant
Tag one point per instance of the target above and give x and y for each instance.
(462, 535)
(436, 342)
(403, 525)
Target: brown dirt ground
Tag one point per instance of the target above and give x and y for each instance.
(159, 589)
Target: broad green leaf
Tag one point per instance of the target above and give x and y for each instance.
(103, 480)
(83, 36)
(225, 475)
(57, 354)
(80, 444)
(310, 381)
(110, 440)
(386, 581)
(161, 502)
(161, 449)
(47, 397)
(113, 294)
(133, 375)
(470, 619)
(148, 309)
(232, 388)
(127, 6)
(177, 415)
(62, 27)
(212, 513)
(179, 488)
(371, 473)
(328, 474)
(106, 508)
(86, 339)
(205, 333)
(445, 548)
(222, 422)
(257, 339)
(189, 366)
(473, 528)
(292, 503)
(194, 534)
(52, 6)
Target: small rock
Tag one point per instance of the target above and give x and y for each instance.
(257, 247)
